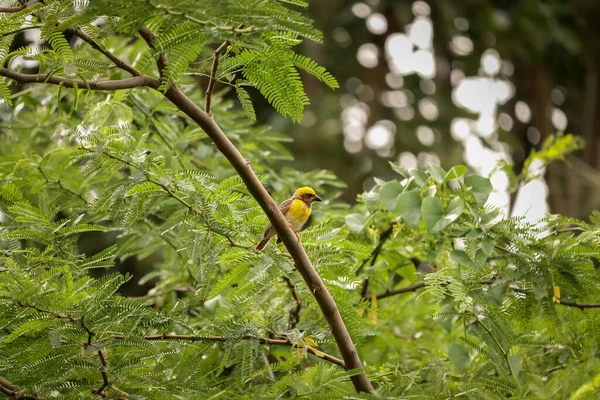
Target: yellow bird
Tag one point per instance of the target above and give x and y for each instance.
(296, 210)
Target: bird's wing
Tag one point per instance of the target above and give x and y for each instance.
(284, 208)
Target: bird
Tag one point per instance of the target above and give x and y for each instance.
(296, 210)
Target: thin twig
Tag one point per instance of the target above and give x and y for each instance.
(12, 9)
(407, 289)
(116, 60)
(90, 335)
(267, 363)
(515, 288)
(385, 235)
(149, 36)
(128, 83)
(577, 305)
(13, 391)
(294, 312)
(103, 371)
(213, 76)
(282, 342)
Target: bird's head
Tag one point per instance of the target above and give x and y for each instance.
(307, 195)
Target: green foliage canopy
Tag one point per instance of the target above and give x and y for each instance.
(495, 306)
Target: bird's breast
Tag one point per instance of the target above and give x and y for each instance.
(298, 214)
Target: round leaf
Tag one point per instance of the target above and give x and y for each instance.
(408, 206)
(388, 195)
(454, 209)
(356, 222)
(437, 173)
(459, 356)
(433, 214)
(480, 187)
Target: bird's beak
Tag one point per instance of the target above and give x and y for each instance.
(317, 198)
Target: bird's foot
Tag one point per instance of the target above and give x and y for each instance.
(297, 236)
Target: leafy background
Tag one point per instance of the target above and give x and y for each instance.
(127, 239)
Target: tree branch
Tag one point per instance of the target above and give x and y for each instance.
(283, 342)
(128, 83)
(90, 335)
(149, 37)
(12, 9)
(294, 312)
(116, 60)
(581, 306)
(12, 390)
(418, 285)
(213, 76)
(411, 288)
(385, 235)
(283, 229)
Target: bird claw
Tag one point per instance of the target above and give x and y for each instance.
(297, 236)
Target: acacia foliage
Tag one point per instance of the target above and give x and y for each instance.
(489, 317)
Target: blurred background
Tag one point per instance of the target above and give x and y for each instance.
(474, 82)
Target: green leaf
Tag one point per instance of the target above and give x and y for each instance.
(399, 169)
(454, 210)
(459, 356)
(433, 214)
(388, 195)
(447, 317)
(74, 229)
(480, 187)
(458, 171)
(420, 176)
(460, 257)
(356, 222)
(408, 206)
(515, 364)
(246, 103)
(437, 173)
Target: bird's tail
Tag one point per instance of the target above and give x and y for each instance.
(263, 243)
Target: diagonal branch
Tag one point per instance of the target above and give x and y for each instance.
(149, 37)
(282, 342)
(213, 76)
(282, 228)
(128, 83)
(116, 60)
(385, 235)
(225, 146)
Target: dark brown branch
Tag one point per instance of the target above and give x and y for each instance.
(294, 312)
(411, 288)
(283, 342)
(282, 228)
(515, 288)
(12, 9)
(313, 281)
(385, 235)
(90, 335)
(128, 83)
(577, 305)
(116, 60)
(213, 76)
(12, 390)
(149, 37)
(103, 372)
